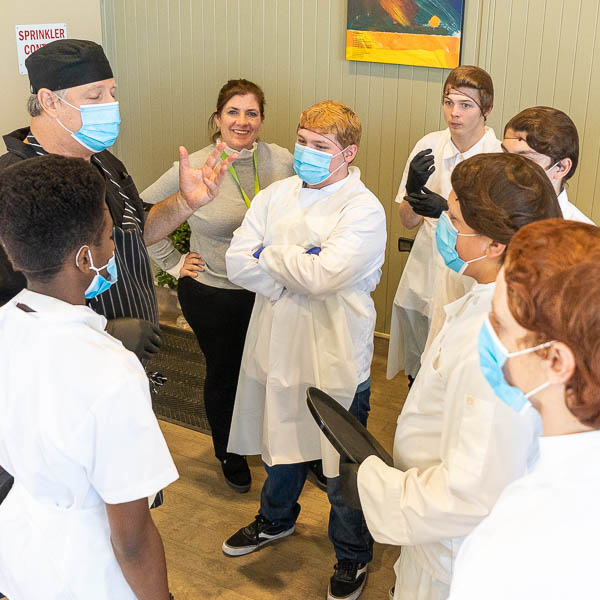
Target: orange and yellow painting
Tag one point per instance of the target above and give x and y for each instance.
(424, 33)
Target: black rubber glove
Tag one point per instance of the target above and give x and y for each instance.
(427, 203)
(349, 484)
(420, 169)
(137, 335)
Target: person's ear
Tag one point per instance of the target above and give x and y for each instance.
(48, 101)
(81, 259)
(350, 153)
(217, 119)
(495, 249)
(563, 168)
(561, 363)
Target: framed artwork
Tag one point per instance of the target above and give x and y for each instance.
(423, 33)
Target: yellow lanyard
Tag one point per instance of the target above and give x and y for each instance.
(237, 179)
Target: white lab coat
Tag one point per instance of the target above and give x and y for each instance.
(456, 447)
(313, 318)
(541, 538)
(413, 303)
(77, 431)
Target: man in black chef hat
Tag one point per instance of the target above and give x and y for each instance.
(74, 113)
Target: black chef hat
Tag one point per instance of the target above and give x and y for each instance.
(67, 63)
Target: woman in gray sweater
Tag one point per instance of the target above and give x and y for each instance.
(217, 310)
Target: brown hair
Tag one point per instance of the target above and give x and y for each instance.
(331, 116)
(550, 132)
(553, 287)
(499, 193)
(235, 87)
(476, 78)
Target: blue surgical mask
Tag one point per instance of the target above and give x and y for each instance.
(99, 284)
(312, 166)
(446, 236)
(492, 357)
(99, 125)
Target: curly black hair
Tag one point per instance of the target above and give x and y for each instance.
(49, 206)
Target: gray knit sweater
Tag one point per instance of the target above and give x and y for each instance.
(213, 225)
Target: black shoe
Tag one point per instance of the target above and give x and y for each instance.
(253, 536)
(347, 581)
(315, 472)
(236, 472)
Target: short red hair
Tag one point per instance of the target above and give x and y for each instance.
(552, 274)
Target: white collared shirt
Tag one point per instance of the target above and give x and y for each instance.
(570, 211)
(77, 432)
(77, 426)
(541, 538)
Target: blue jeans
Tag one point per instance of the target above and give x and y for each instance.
(348, 530)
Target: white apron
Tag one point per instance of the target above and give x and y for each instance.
(56, 553)
(296, 342)
(411, 311)
(419, 293)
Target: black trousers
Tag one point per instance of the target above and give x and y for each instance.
(219, 318)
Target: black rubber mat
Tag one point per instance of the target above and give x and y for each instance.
(181, 399)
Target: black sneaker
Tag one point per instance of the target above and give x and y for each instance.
(315, 473)
(347, 581)
(253, 536)
(236, 472)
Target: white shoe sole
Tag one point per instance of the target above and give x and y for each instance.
(354, 595)
(240, 551)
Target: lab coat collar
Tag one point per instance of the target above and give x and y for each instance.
(480, 291)
(353, 175)
(564, 453)
(50, 308)
(451, 151)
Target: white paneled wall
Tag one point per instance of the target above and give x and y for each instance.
(172, 56)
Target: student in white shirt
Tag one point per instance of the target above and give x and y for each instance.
(456, 446)
(548, 137)
(77, 431)
(540, 348)
(468, 99)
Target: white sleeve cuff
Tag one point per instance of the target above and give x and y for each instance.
(174, 271)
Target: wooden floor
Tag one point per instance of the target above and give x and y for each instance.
(201, 511)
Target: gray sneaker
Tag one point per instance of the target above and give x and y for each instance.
(254, 536)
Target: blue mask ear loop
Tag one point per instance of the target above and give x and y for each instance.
(467, 262)
(508, 355)
(342, 150)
